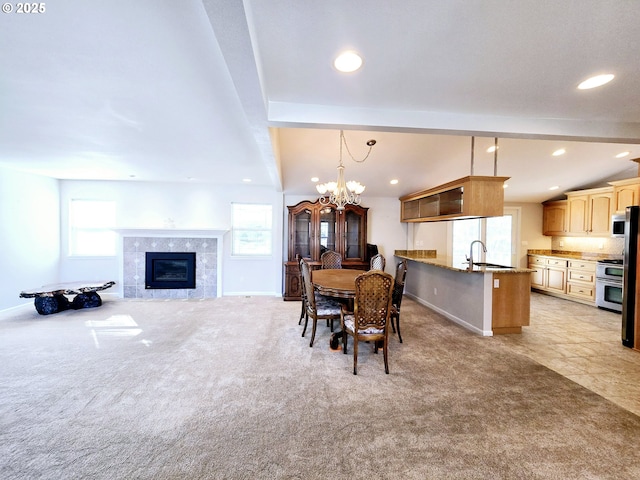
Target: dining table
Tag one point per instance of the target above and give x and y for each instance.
(338, 283)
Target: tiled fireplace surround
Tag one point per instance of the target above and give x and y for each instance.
(136, 244)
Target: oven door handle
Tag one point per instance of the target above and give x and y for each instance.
(611, 283)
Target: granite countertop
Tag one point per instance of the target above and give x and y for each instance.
(575, 255)
(430, 257)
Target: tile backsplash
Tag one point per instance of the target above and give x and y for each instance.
(601, 245)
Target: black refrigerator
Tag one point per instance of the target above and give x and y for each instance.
(629, 285)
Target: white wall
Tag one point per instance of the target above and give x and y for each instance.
(180, 206)
(30, 240)
(531, 237)
(429, 236)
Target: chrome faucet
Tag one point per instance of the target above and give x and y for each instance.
(484, 248)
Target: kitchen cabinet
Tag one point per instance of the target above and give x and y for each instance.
(569, 278)
(626, 193)
(590, 211)
(473, 196)
(554, 218)
(511, 308)
(581, 280)
(315, 228)
(550, 274)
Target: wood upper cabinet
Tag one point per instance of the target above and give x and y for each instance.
(554, 218)
(316, 228)
(472, 196)
(589, 211)
(626, 193)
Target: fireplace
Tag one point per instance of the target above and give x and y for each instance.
(206, 244)
(170, 270)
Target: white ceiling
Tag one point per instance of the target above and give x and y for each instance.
(221, 90)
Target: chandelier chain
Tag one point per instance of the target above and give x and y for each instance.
(344, 140)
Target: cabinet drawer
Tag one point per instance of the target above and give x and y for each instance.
(582, 291)
(582, 265)
(537, 260)
(581, 276)
(556, 262)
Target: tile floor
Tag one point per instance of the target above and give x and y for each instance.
(583, 344)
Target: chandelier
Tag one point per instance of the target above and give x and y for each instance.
(342, 193)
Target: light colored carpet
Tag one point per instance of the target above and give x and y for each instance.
(227, 389)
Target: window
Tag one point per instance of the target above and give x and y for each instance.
(90, 228)
(497, 233)
(465, 232)
(251, 229)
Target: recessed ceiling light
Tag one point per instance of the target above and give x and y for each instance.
(622, 154)
(555, 187)
(315, 179)
(596, 81)
(394, 181)
(246, 180)
(492, 149)
(348, 62)
(132, 176)
(560, 151)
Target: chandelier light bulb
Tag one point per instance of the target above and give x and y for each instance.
(341, 193)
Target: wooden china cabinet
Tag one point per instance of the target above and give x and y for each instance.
(316, 228)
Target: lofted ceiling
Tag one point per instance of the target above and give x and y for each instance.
(222, 91)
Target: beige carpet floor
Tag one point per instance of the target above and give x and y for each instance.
(227, 389)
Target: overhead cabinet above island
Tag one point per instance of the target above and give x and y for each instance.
(467, 197)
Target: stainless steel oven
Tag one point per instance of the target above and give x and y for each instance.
(609, 274)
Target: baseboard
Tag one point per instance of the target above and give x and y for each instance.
(252, 294)
(451, 317)
(17, 307)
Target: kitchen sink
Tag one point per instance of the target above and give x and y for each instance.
(489, 265)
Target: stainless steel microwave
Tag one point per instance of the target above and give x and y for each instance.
(617, 225)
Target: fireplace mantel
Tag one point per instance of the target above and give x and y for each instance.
(169, 232)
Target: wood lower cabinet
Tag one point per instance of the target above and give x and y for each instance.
(581, 280)
(511, 303)
(550, 274)
(315, 228)
(572, 279)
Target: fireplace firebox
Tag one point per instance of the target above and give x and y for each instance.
(170, 270)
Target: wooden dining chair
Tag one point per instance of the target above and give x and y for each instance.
(331, 259)
(377, 262)
(369, 320)
(396, 300)
(316, 306)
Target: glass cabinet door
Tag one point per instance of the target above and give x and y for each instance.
(353, 235)
(328, 229)
(302, 234)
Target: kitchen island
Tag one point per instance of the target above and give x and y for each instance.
(487, 300)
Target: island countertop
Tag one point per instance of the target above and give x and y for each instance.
(430, 257)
